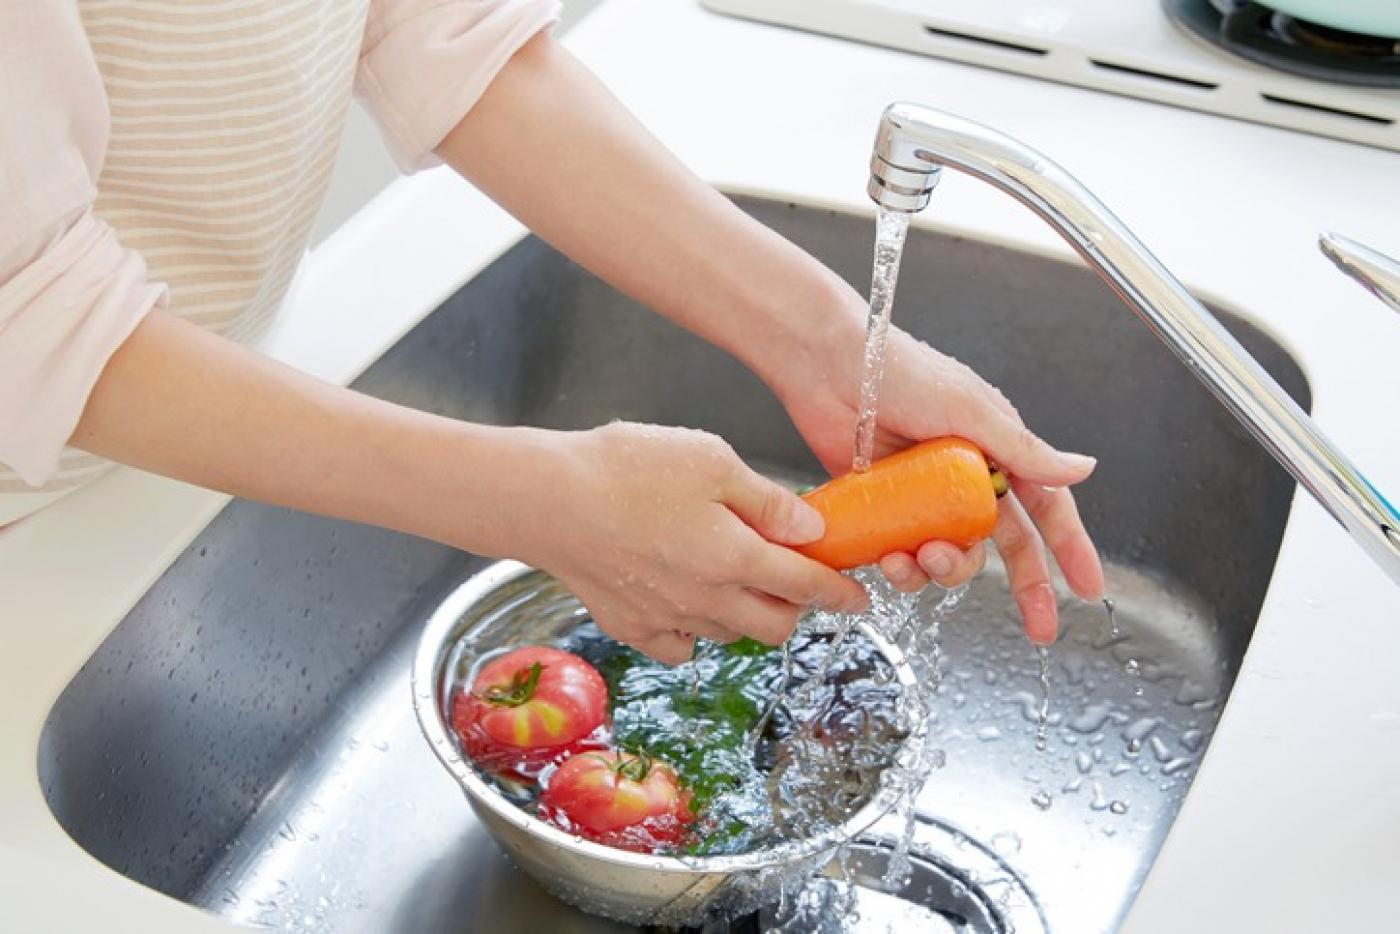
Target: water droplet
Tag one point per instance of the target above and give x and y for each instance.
(1176, 765)
(989, 734)
(1139, 730)
(1118, 807)
(1090, 719)
(1042, 800)
(1110, 609)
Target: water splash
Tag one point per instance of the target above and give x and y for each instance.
(751, 744)
(891, 228)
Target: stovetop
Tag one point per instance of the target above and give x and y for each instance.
(1129, 48)
(1277, 40)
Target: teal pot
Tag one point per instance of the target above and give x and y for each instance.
(1370, 17)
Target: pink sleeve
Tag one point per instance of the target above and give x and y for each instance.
(69, 292)
(424, 64)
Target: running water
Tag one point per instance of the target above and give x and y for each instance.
(1131, 667)
(891, 613)
(918, 636)
(1042, 719)
(890, 230)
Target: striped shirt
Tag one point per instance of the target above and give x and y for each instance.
(174, 154)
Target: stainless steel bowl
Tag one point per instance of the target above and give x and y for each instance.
(512, 604)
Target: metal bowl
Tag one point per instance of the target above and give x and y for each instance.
(510, 604)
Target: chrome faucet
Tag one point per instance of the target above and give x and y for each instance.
(914, 143)
(1376, 272)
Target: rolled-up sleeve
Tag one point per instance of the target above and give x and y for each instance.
(70, 293)
(424, 64)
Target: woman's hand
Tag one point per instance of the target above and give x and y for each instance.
(926, 394)
(670, 241)
(670, 536)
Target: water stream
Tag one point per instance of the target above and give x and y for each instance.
(893, 614)
(1042, 717)
(1132, 668)
(891, 227)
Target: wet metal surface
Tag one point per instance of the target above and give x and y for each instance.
(245, 739)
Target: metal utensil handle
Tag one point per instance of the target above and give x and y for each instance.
(1377, 273)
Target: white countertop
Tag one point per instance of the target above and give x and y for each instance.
(1293, 820)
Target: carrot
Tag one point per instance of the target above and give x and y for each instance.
(940, 490)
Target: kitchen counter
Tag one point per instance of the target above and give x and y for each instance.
(1292, 822)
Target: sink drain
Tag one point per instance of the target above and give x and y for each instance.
(956, 886)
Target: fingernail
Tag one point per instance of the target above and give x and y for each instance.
(807, 524)
(897, 573)
(1080, 463)
(941, 565)
(858, 603)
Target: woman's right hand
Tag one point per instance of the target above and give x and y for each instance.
(667, 535)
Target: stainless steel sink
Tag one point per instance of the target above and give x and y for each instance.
(245, 740)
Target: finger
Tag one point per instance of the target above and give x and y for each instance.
(777, 514)
(949, 565)
(1057, 517)
(710, 629)
(982, 415)
(668, 648)
(1023, 552)
(759, 616)
(903, 571)
(789, 576)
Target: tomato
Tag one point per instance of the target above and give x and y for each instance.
(528, 708)
(626, 800)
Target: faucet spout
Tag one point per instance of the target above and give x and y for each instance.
(914, 143)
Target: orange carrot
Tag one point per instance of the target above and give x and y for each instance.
(937, 490)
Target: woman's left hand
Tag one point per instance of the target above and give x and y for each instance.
(927, 394)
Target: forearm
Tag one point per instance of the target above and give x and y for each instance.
(187, 404)
(553, 146)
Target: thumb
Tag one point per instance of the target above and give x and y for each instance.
(772, 511)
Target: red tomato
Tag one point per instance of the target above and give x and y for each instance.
(626, 800)
(529, 707)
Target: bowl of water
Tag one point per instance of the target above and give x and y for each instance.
(805, 775)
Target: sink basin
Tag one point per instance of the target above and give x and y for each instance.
(244, 740)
